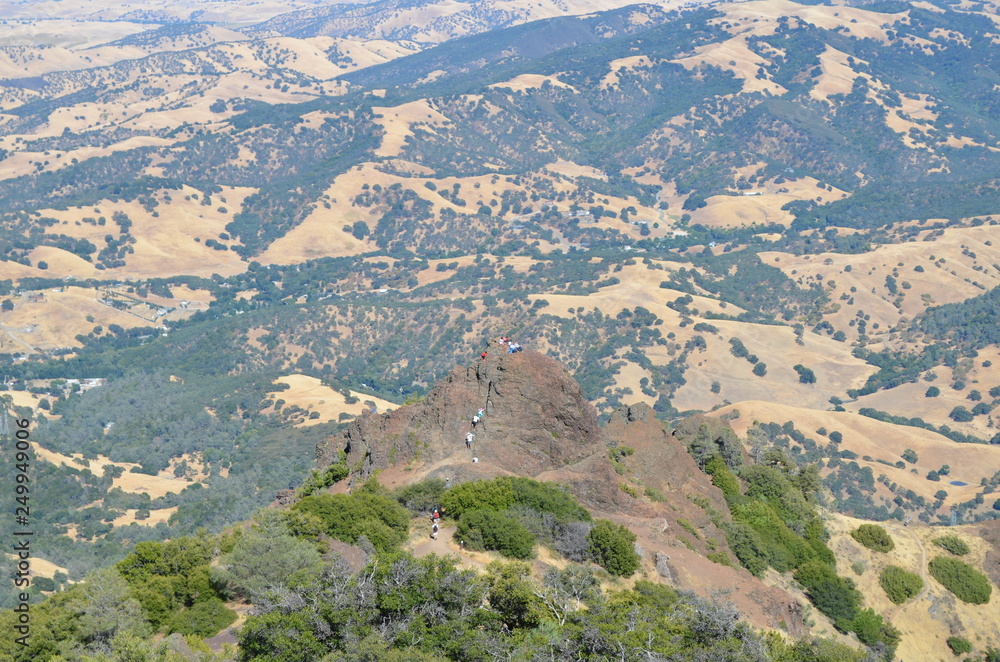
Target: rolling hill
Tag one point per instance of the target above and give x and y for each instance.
(253, 221)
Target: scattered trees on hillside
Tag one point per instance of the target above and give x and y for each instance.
(806, 375)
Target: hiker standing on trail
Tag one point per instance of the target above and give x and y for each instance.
(434, 531)
(468, 440)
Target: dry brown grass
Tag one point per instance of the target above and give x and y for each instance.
(155, 517)
(734, 55)
(164, 244)
(22, 398)
(836, 77)
(570, 169)
(969, 463)
(835, 367)
(950, 281)
(910, 400)
(396, 123)
(155, 486)
(56, 320)
(928, 620)
(312, 395)
(760, 17)
(628, 63)
(321, 233)
(42, 568)
(532, 81)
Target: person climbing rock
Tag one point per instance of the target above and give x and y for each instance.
(483, 355)
(475, 421)
(468, 440)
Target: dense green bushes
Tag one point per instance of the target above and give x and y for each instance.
(264, 556)
(959, 645)
(953, 544)
(967, 583)
(204, 619)
(775, 525)
(833, 595)
(508, 492)
(874, 537)
(335, 473)
(368, 512)
(761, 534)
(613, 548)
(496, 531)
(170, 576)
(420, 498)
(511, 514)
(899, 584)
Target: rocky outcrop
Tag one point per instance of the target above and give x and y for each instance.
(538, 424)
(536, 419)
(659, 459)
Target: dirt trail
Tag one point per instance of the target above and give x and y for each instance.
(445, 545)
(31, 349)
(441, 546)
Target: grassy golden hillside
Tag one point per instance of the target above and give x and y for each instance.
(927, 620)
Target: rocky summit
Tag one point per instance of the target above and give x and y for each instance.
(536, 423)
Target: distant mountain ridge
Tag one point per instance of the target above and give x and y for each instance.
(419, 21)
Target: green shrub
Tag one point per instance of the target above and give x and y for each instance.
(478, 495)
(784, 549)
(656, 495)
(833, 595)
(347, 517)
(874, 537)
(335, 473)
(613, 548)
(721, 558)
(204, 619)
(496, 531)
(961, 415)
(421, 497)
(748, 547)
(806, 375)
(872, 630)
(506, 492)
(900, 585)
(958, 645)
(689, 527)
(953, 544)
(629, 490)
(967, 583)
(722, 477)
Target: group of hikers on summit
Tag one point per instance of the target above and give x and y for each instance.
(512, 347)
